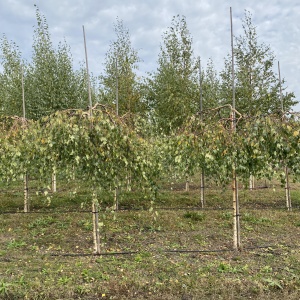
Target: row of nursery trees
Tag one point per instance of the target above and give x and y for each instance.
(167, 97)
(104, 150)
(179, 120)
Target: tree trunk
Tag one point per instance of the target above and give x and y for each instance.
(287, 189)
(129, 188)
(236, 214)
(187, 183)
(53, 182)
(251, 183)
(96, 232)
(202, 200)
(116, 198)
(26, 193)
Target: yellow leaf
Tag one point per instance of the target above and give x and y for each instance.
(296, 133)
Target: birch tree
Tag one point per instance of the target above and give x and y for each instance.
(119, 79)
(10, 78)
(173, 88)
(257, 85)
(52, 82)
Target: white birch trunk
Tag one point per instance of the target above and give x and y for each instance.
(187, 183)
(116, 198)
(53, 182)
(202, 200)
(96, 232)
(287, 189)
(251, 183)
(129, 188)
(26, 193)
(236, 214)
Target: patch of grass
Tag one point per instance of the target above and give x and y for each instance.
(41, 222)
(86, 224)
(4, 288)
(15, 244)
(255, 220)
(194, 216)
(49, 256)
(226, 215)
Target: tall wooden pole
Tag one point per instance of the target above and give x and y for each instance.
(116, 198)
(236, 211)
(23, 93)
(202, 200)
(25, 176)
(87, 74)
(286, 169)
(280, 89)
(96, 231)
(117, 88)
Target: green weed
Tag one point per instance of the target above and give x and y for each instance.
(255, 220)
(15, 244)
(41, 222)
(194, 216)
(4, 288)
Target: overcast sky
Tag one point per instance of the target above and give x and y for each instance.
(277, 22)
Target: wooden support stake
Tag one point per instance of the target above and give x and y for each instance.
(202, 200)
(25, 177)
(236, 211)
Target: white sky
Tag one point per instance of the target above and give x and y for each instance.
(277, 22)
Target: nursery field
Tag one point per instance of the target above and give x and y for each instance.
(166, 249)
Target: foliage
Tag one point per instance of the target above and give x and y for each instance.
(50, 81)
(173, 91)
(104, 150)
(210, 86)
(256, 84)
(10, 79)
(101, 147)
(52, 84)
(260, 146)
(119, 79)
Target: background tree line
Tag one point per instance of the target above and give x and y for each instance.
(165, 98)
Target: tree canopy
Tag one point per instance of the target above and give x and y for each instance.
(256, 83)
